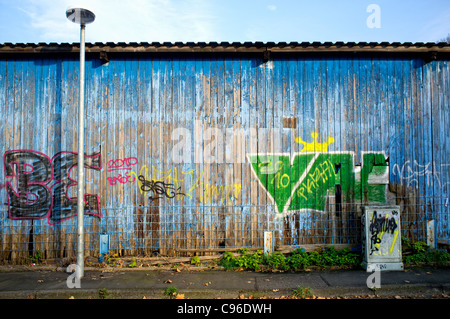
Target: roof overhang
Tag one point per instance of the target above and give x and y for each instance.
(226, 47)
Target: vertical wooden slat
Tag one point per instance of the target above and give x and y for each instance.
(388, 103)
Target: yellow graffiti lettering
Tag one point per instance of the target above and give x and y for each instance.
(281, 181)
(222, 193)
(179, 178)
(301, 192)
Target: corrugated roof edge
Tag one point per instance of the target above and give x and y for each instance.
(41, 47)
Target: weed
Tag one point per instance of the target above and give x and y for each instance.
(302, 292)
(250, 261)
(133, 264)
(419, 252)
(195, 260)
(228, 261)
(111, 259)
(299, 259)
(36, 258)
(170, 291)
(103, 293)
(277, 260)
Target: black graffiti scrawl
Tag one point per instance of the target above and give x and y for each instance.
(39, 186)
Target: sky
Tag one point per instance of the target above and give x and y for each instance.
(34, 21)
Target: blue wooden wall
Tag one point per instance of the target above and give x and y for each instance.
(170, 140)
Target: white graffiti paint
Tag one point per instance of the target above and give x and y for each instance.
(409, 174)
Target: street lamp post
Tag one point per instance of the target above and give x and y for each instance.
(81, 16)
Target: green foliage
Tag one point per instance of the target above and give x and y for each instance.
(228, 261)
(302, 292)
(111, 259)
(170, 291)
(299, 259)
(133, 264)
(250, 261)
(195, 260)
(36, 258)
(277, 260)
(329, 257)
(103, 293)
(419, 252)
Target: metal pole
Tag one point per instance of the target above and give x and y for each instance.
(80, 202)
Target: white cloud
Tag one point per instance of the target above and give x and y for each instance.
(272, 7)
(124, 21)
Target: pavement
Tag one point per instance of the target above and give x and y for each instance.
(24, 282)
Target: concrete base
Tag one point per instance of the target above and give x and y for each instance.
(370, 267)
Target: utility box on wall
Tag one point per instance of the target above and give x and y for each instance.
(381, 240)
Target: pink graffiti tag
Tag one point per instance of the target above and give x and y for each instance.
(124, 165)
(119, 164)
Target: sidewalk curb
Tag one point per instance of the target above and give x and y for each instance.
(388, 291)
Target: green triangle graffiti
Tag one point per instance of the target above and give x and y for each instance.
(278, 176)
(305, 181)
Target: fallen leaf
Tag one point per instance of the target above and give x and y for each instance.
(144, 297)
(398, 297)
(178, 270)
(181, 264)
(179, 296)
(40, 280)
(71, 297)
(276, 290)
(429, 273)
(249, 282)
(168, 281)
(241, 297)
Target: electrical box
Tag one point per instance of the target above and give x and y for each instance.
(382, 248)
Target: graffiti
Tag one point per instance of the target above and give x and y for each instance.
(303, 181)
(380, 224)
(121, 179)
(157, 188)
(314, 146)
(121, 165)
(191, 182)
(409, 174)
(39, 187)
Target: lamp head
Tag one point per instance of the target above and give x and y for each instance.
(80, 15)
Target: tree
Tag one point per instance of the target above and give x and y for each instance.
(446, 39)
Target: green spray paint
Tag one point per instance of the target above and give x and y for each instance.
(305, 182)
